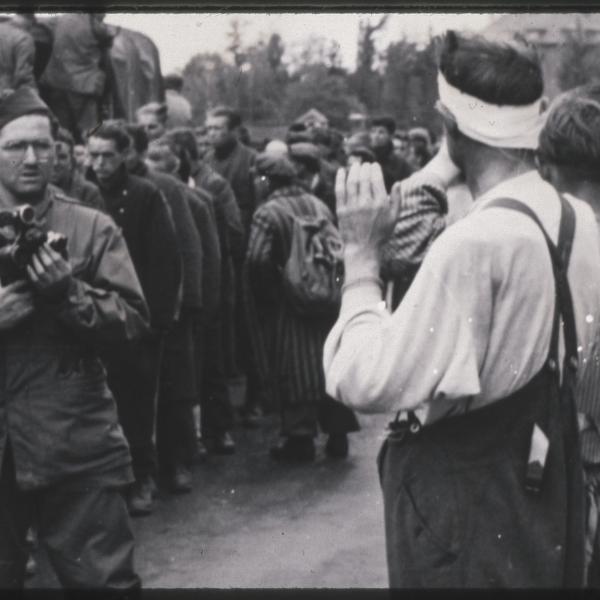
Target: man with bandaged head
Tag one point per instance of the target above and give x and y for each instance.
(481, 473)
(64, 459)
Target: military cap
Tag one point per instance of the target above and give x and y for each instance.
(274, 165)
(419, 133)
(21, 102)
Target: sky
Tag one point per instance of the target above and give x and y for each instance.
(180, 36)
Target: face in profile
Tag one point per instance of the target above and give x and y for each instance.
(63, 162)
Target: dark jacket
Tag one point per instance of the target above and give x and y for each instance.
(55, 404)
(17, 55)
(139, 209)
(227, 212)
(394, 168)
(84, 191)
(75, 64)
(190, 245)
(235, 163)
(201, 205)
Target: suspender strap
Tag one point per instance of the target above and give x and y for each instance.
(560, 258)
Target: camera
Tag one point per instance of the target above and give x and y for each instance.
(20, 238)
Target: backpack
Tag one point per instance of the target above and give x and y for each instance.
(313, 273)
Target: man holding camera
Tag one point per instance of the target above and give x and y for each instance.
(63, 455)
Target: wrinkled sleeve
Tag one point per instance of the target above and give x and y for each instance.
(109, 306)
(23, 60)
(421, 219)
(375, 361)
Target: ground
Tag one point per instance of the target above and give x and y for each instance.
(252, 523)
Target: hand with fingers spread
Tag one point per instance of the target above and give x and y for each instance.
(364, 209)
(49, 273)
(16, 304)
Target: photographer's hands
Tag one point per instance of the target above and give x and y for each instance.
(16, 304)
(50, 274)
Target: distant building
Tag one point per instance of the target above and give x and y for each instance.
(313, 119)
(548, 31)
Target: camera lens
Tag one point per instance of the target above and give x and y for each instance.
(26, 214)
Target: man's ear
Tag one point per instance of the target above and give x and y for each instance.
(545, 169)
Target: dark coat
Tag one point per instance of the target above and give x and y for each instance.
(288, 347)
(84, 191)
(140, 210)
(75, 64)
(188, 238)
(394, 168)
(200, 204)
(55, 403)
(17, 56)
(235, 164)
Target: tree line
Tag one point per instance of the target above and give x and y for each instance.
(272, 85)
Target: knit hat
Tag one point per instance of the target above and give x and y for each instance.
(23, 101)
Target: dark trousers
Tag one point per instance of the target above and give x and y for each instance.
(175, 432)
(216, 410)
(133, 379)
(457, 509)
(82, 524)
(79, 113)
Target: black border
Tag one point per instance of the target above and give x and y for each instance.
(286, 6)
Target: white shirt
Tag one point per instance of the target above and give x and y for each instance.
(475, 324)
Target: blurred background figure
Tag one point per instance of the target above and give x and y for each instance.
(179, 110)
(153, 117)
(17, 52)
(420, 141)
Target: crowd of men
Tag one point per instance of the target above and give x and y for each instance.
(121, 346)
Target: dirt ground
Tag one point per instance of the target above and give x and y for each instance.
(253, 523)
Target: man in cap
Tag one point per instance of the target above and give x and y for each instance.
(394, 168)
(469, 361)
(70, 179)
(312, 173)
(293, 358)
(569, 158)
(139, 209)
(64, 459)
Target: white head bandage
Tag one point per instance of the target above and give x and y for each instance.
(500, 126)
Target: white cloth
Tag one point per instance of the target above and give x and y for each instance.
(476, 321)
(499, 126)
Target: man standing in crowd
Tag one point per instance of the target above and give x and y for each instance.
(179, 109)
(394, 168)
(420, 141)
(290, 344)
(140, 211)
(74, 77)
(477, 329)
(569, 157)
(63, 455)
(17, 53)
(70, 179)
(234, 161)
(153, 118)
